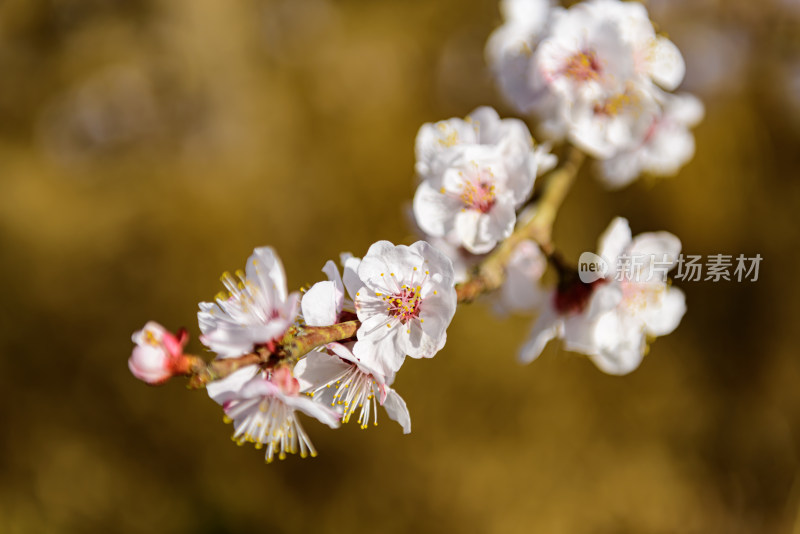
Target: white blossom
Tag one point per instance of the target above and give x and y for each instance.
(255, 310)
(262, 407)
(476, 173)
(611, 319)
(405, 304)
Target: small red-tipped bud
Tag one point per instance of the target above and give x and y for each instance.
(158, 354)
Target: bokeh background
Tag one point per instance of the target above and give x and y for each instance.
(148, 145)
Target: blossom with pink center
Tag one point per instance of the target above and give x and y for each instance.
(255, 310)
(610, 320)
(476, 173)
(158, 354)
(262, 406)
(405, 304)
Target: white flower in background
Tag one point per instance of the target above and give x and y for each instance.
(405, 304)
(521, 291)
(611, 319)
(158, 354)
(470, 201)
(591, 72)
(256, 309)
(262, 408)
(348, 385)
(666, 147)
(649, 307)
(475, 174)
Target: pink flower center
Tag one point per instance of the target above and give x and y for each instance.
(478, 195)
(405, 304)
(582, 66)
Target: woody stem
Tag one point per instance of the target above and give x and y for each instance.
(295, 343)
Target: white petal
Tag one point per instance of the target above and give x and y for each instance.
(318, 369)
(229, 387)
(433, 210)
(661, 246)
(547, 326)
(663, 318)
(322, 303)
(332, 272)
(435, 262)
(381, 354)
(397, 411)
(266, 269)
(621, 344)
(666, 64)
(316, 410)
(350, 276)
(614, 240)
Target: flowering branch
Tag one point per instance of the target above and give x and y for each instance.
(490, 273)
(608, 93)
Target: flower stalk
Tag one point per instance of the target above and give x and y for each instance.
(296, 343)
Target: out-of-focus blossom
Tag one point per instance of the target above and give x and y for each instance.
(158, 354)
(255, 310)
(611, 319)
(405, 304)
(593, 73)
(262, 406)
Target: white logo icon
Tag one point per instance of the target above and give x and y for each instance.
(591, 267)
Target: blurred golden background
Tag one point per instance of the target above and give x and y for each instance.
(148, 145)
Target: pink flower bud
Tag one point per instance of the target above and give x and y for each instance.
(158, 354)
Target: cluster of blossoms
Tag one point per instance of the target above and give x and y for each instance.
(402, 296)
(611, 319)
(597, 75)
